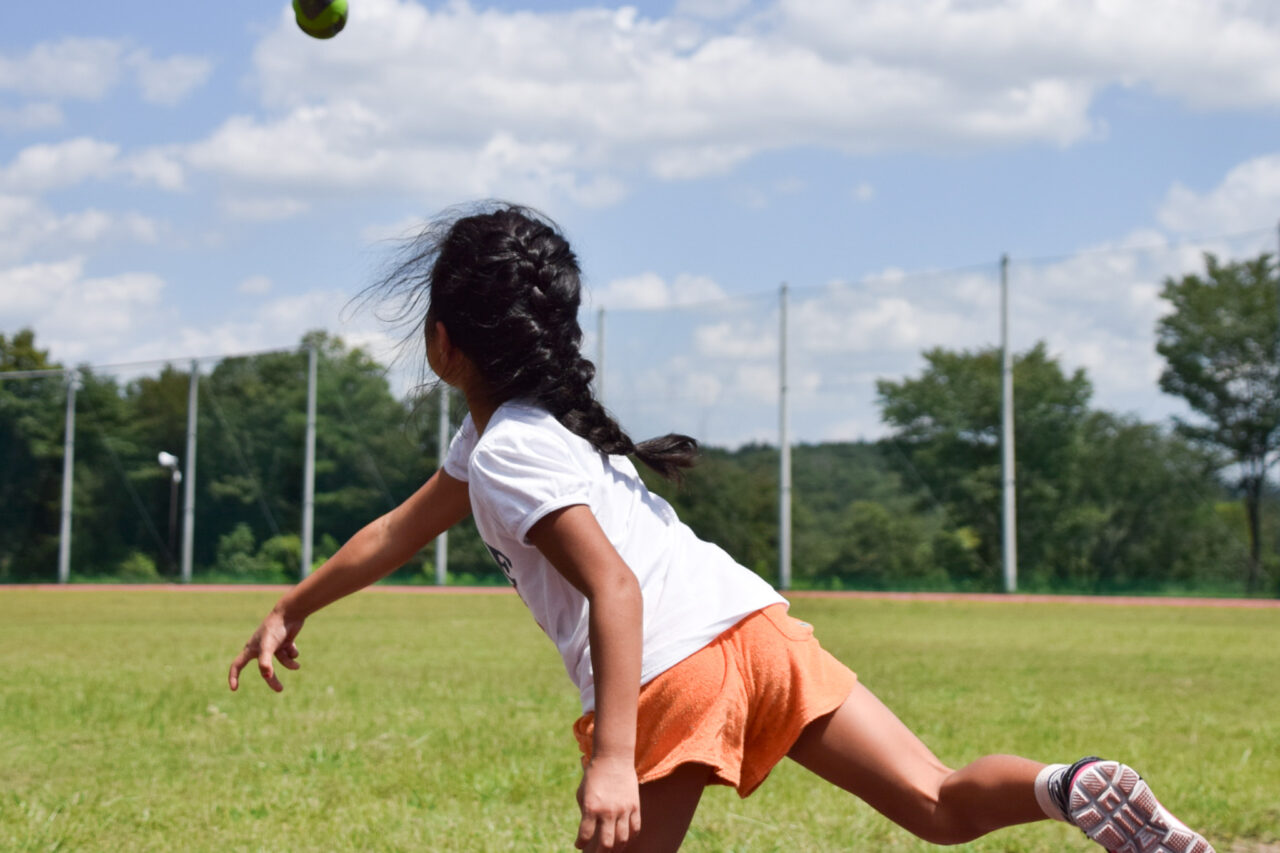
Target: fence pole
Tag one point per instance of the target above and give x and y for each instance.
(1006, 437)
(68, 480)
(784, 451)
(189, 476)
(309, 467)
(442, 449)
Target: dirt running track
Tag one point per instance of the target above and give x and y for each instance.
(992, 597)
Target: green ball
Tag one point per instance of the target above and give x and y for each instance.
(322, 19)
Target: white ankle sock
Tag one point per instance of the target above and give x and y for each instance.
(1042, 792)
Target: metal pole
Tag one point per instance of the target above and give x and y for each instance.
(189, 475)
(1006, 437)
(784, 452)
(309, 467)
(600, 356)
(174, 477)
(68, 481)
(442, 449)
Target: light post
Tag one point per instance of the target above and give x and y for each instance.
(169, 461)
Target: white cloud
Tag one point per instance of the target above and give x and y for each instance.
(278, 323)
(89, 68)
(123, 318)
(159, 167)
(392, 232)
(32, 116)
(467, 102)
(735, 340)
(1213, 53)
(168, 81)
(1098, 310)
(76, 316)
(28, 227)
(255, 285)
(716, 365)
(711, 8)
(579, 104)
(650, 290)
(38, 168)
(1246, 198)
(263, 209)
(73, 68)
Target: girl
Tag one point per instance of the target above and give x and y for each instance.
(690, 670)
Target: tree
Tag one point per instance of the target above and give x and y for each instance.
(31, 424)
(731, 499)
(1220, 348)
(947, 440)
(1143, 510)
(1104, 503)
(252, 428)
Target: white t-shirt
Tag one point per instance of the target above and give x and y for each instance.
(524, 466)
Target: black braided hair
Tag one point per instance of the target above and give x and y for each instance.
(506, 285)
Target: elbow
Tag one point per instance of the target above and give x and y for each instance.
(616, 591)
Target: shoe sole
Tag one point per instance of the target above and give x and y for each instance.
(1115, 808)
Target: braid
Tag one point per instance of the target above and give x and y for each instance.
(506, 285)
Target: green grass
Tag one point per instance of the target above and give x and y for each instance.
(442, 723)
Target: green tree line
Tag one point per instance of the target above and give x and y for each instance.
(1105, 502)
(372, 451)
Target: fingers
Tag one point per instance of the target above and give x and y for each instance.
(233, 677)
(287, 655)
(273, 639)
(586, 832)
(267, 671)
(607, 834)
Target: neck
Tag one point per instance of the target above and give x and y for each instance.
(481, 408)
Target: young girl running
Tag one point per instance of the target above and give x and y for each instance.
(690, 670)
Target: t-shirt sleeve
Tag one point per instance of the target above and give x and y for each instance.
(460, 449)
(524, 474)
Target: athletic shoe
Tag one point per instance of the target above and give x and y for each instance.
(1115, 808)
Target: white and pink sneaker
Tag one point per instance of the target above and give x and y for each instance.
(1112, 804)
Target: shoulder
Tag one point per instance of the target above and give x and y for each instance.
(524, 437)
(525, 465)
(523, 427)
(457, 461)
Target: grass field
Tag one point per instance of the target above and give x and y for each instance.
(442, 723)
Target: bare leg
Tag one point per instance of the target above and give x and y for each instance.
(866, 750)
(666, 808)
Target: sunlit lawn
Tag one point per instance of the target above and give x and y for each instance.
(442, 722)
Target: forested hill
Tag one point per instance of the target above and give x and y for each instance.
(1133, 516)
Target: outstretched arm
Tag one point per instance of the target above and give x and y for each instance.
(371, 554)
(609, 796)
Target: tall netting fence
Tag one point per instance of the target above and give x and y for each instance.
(888, 389)
(196, 470)
(892, 407)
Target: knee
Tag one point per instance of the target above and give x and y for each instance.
(934, 818)
(953, 813)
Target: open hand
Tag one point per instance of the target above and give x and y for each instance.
(609, 797)
(273, 639)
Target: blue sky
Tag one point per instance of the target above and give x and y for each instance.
(176, 183)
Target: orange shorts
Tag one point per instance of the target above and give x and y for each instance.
(738, 704)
